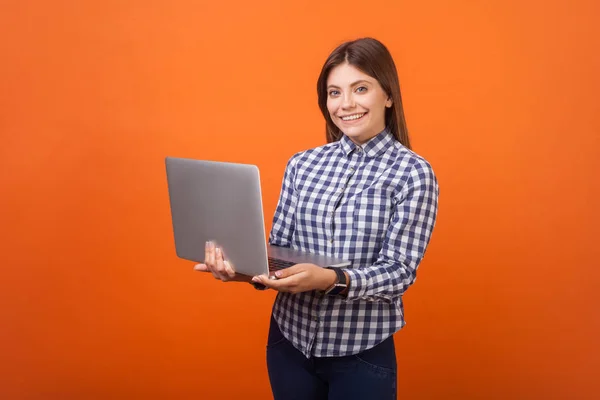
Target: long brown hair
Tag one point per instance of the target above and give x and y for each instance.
(374, 59)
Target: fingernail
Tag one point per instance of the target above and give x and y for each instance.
(255, 279)
(218, 250)
(278, 274)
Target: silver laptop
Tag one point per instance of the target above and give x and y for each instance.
(222, 202)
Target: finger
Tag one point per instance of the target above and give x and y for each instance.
(287, 272)
(209, 259)
(220, 265)
(201, 268)
(229, 269)
(206, 250)
(264, 279)
(210, 254)
(282, 285)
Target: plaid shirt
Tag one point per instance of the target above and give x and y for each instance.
(374, 205)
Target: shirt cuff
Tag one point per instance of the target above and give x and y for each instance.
(358, 284)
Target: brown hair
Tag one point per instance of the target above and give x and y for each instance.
(373, 58)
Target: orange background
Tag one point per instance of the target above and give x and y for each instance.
(500, 96)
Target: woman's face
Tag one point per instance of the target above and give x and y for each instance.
(356, 103)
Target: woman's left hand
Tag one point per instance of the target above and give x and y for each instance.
(299, 278)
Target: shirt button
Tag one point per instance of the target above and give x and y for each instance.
(331, 240)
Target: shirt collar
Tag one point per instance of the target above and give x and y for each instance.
(372, 148)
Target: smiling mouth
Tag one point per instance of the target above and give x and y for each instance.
(353, 117)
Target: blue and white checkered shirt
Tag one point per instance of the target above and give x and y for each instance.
(374, 205)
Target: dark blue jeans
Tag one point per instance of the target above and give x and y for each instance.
(364, 376)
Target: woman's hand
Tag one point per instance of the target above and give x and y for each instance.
(215, 263)
(299, 278)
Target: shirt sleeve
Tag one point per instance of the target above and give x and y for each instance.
(283, 219)
(407, 238)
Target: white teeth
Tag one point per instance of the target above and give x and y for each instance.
(352, 117)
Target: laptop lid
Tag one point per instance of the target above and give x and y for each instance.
(222, 202)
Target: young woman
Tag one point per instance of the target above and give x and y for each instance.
(365, 197)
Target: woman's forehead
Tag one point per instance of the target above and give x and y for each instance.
(346, 74)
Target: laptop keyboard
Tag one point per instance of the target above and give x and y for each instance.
(275, 264)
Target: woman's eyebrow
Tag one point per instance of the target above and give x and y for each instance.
(352, 84)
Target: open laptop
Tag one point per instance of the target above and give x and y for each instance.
(222, 202)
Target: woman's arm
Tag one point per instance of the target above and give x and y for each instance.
(407, 238)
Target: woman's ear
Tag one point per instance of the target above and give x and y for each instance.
(389, 102)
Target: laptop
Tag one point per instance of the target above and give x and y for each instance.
(222, 202)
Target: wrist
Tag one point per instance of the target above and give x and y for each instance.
(330, 277)
(339, 287)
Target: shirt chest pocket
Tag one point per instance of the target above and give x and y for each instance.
(372, 213)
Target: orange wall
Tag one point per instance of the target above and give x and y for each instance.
(501, 97)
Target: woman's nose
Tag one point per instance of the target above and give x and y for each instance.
(348, 101)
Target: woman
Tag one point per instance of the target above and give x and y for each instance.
(365, 197)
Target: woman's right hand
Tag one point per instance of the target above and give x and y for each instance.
(215, 263)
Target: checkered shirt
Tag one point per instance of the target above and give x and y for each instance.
(374, 205)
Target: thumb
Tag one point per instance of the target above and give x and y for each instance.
(201, 267)
(286, 272)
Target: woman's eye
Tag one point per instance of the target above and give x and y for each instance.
(333, 92)
(361, 89)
